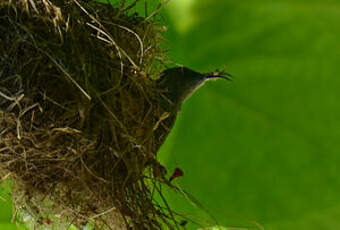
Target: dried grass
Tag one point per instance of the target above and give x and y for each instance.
(80, 116)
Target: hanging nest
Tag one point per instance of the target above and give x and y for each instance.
(78, 114)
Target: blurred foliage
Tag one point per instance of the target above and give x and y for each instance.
(264, 149)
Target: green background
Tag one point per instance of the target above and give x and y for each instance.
(263, 150)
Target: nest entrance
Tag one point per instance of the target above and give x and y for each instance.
(78, 113)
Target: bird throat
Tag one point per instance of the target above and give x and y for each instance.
(194, 89)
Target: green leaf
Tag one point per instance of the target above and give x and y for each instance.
(265, 149)
(9, 226)
(214, 228)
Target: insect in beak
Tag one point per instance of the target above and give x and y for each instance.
(219, 74)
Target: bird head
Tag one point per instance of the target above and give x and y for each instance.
(180, 83)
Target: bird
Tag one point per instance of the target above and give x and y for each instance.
(178, 84)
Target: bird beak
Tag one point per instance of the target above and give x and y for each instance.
(218, 74)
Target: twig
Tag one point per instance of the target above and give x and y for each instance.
(103, 213)
(119, 50)
(7, 97)
(138, 38)
(67, 74)
(160, 6)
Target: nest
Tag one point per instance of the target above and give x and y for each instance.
(79, 114)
